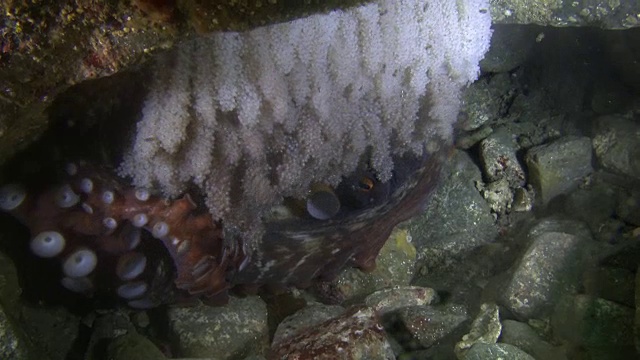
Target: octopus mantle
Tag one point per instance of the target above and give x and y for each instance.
(100, 231)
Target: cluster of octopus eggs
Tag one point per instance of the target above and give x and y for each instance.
(87, 198)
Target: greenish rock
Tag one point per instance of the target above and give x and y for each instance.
(526, 338)
(485, 329)
(499, 160)
(53, 329)
(609, 14)
(628, 208)
(9, 286)
(496, 351)
(615, 144)
(637, 322)
(613, 284)
(430, 324)
(483, 100)
(551, 266)
(13, 342)
(456, 221)
(598, 325)
(234, 331)
(559, 167)
(395, 266)
(133, 346)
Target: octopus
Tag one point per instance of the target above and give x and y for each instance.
(101, 234)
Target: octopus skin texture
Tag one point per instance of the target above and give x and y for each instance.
(98, 229)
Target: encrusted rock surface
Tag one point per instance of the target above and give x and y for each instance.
(234, 331)
(559, 167)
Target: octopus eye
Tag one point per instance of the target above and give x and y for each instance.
(365, 183)
(11, 196)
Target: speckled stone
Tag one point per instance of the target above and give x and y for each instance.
(133, 346)
(357, 334)
(559, 167)
(552, 265)
(603, 327)
(429, 324)
(526, 338)
(616, 144)
(496, 351)
(485, 329)
(234, 331)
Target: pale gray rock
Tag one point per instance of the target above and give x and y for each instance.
(485, 329)
(552, 265)
(457, 219)
(392, 299)
(499, 160)
(559, 167)
(526, 338)
(430, 324)
(615, 144)
(484, 101)
(496, 351)
(234, 331)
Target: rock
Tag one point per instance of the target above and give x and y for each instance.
(14, 344)
(357, 334)
(562, 13)
(552, 265)
(107, 326)
(613, 284)
(628, 208)
(456, 221)
(498, 195)
(637, 322)
(510, 47)
(524, 337)
(485, 329)
(595, 204)
(499, 160)
(485, 101)
(53, 329)
(395, 266)
(496, 351)
(305, 318)
(430, 324)
(392, 299)
(616, 144)
(559, 167)
(234, 331)
(133, 346)
(602, 327)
